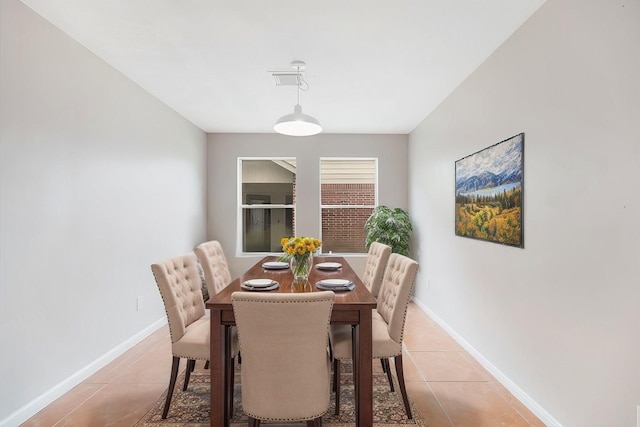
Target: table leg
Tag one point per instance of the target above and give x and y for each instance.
(364, 377)
(217, 367)
(355, 367)
(228, 372)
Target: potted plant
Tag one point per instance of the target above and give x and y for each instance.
(391, 227)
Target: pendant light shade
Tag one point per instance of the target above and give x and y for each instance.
(297, 124)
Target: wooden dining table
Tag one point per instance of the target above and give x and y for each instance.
(350, 307)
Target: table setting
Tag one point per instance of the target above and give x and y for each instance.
(260, 285)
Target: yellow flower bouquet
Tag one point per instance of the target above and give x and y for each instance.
(299, 251)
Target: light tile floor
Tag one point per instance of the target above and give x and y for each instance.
(448, 386)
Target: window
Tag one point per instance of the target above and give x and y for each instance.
(348, 193)
(266, 202)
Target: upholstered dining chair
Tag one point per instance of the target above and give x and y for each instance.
(216, 270)
(214, 263)
(181, 289)
(387, 325)
(377, 258)
(285, 366)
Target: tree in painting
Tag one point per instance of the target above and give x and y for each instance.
(489, 193)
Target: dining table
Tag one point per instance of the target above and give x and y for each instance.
(352, 307)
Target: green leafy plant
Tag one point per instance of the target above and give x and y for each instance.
(391, 227)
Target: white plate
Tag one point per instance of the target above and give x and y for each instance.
(275, 265)
(274, 285)
(329, 265)
(336, 283)
(259, 283)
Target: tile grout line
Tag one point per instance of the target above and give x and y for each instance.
(524, 417)
(491, 381)
(446, 414)
(413, 362)
(429, 386)
(103, 385)
(75, 408)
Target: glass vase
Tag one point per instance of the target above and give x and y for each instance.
(300, 268)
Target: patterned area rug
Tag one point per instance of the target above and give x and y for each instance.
(191, 408)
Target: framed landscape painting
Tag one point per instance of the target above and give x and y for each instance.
(489, 193)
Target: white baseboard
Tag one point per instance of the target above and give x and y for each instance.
(37, 404)
(519, 394)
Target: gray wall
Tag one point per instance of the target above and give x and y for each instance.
(98, 180)
(224, 150)
(558, 321)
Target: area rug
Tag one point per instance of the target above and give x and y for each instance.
(191, 408)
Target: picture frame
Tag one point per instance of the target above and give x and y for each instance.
(489, 193)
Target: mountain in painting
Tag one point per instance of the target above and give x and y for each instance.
(499, 165)
(487, 180)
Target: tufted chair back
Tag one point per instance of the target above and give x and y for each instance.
(216, 270)
(180, 286)
(374, 267)
(283, 342)
(387, 324)
(395, 292)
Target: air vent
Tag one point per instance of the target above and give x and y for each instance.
(284, 78)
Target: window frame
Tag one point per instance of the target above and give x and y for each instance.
(240, 206)
(321, 206)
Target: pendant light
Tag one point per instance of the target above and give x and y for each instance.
(298, 123)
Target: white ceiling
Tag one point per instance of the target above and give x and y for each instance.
(373, 66)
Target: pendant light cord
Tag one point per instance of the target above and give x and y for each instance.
(299, 80)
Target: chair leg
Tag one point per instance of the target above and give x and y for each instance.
(231, 381)
(403, 389)
(191, 364)
(254, 422)
(229, 373)
(336, 383)
(387, 369)
(330, 351)
(206, 365)
(334, 380)
(316, 422)
(384, 368)
(172, 383)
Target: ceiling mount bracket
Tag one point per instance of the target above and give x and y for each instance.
(298, 65)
